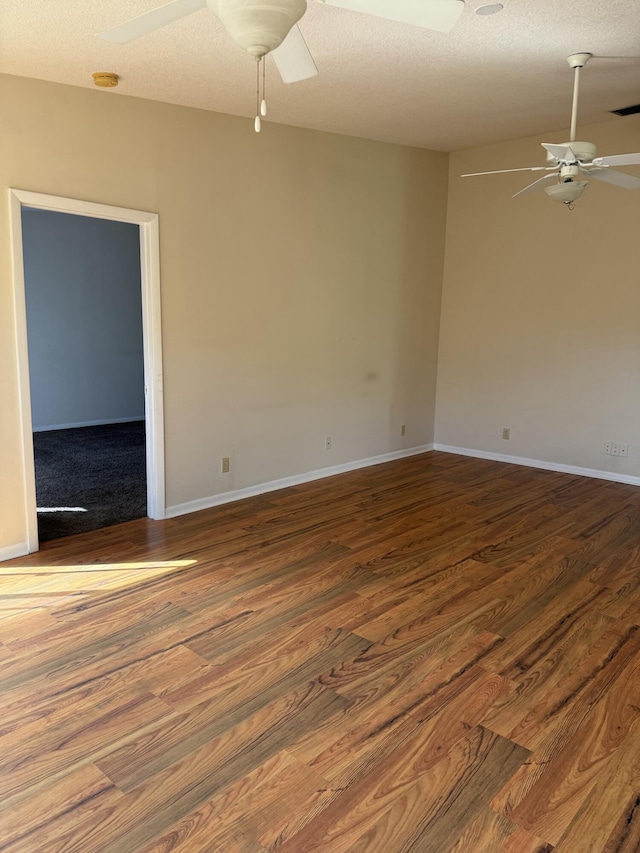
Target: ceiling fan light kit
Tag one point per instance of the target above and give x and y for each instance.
(568, 192)
(260, 28)
(569, 160)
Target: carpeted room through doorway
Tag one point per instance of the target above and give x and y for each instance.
(98, 469)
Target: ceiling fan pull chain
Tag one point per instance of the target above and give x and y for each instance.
(258, 122)
(263, 104)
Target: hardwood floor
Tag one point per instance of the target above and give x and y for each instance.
(437, 654)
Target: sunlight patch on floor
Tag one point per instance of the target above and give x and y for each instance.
(61, 509)
(166, 565)
(24, 588)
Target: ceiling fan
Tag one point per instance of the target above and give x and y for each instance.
(571, 160)
(270, 26)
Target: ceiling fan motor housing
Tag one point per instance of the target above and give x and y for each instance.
(259, 27)
(585, 151)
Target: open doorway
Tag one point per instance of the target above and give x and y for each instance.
(86, 370)
(89, 351)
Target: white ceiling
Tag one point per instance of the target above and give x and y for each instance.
(490, 79)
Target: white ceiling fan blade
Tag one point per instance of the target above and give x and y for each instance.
(293, 58)
(505, 171)
(560, 152)
(620, 179)
(618, 160)
(440, 15)
(536, 185)
(151, 21)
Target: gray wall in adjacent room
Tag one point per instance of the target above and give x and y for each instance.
(84, 319)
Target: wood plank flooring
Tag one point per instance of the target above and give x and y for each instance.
(437, 654)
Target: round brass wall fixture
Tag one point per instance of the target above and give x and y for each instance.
(106, 79)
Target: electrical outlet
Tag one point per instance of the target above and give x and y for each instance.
(614, 448)
(506, 433)
(224, 465)
(403, 429)
(327, 443)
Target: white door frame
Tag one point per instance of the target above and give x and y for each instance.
(151, 333)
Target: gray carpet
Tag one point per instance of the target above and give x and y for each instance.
(101, 469)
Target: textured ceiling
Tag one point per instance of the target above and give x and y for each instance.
(490, 79)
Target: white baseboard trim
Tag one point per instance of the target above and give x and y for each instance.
(88, 424)
(296, 480)
(10, 552)
(613, 476)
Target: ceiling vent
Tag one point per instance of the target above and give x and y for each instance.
(627, 111)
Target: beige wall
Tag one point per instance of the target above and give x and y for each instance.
(540, 327)
(301, 280)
